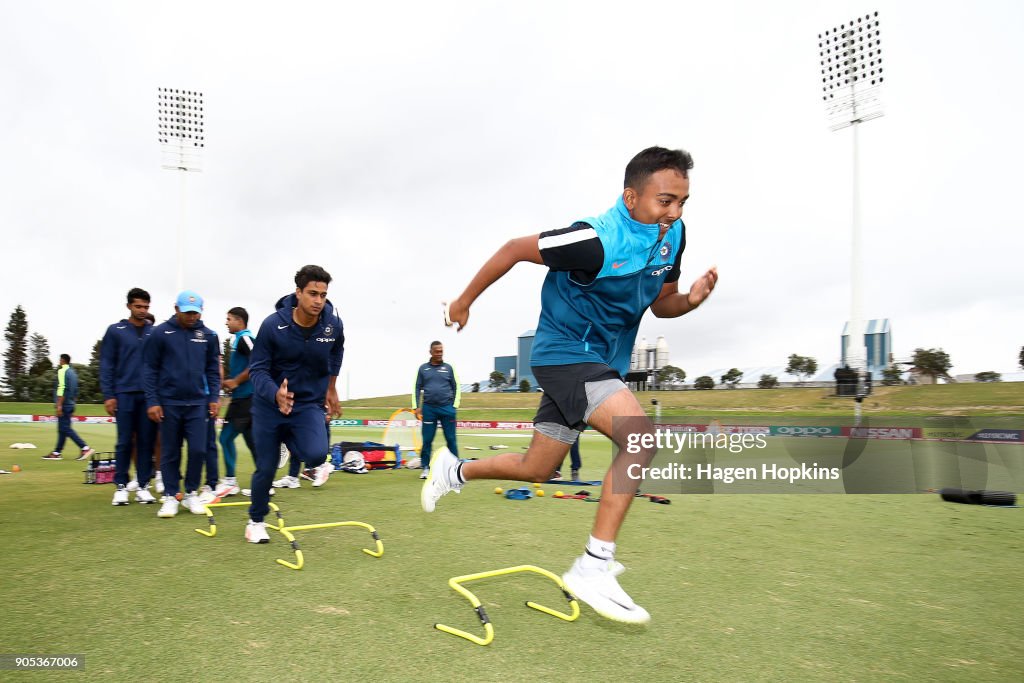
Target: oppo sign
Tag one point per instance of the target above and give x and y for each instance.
(805, 431)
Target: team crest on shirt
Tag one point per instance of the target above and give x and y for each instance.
(666, 249)
(329, 330)
(199, 334)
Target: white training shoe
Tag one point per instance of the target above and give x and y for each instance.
(132, 486)
(286, 482)
(321, 473)
(228, 487)
(600, 589)
(169, 507)
(425, 473)
(207, 496)
(441, 479)
(193, 504)
(307, 473)
(143, 496)
(256, 532)
(120, 496)
(282, 460)
(158, 482)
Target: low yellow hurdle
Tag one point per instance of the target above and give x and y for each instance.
(456, 583)
(213, 523)
(300, 561)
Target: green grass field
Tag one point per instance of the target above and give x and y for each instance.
(740, 587)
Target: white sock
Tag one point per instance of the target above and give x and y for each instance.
(597, 553)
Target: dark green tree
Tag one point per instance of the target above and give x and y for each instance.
(732, 378)
(767, 382)
(16, 355)
(932, 362)
(497, 379)
(89, 377)
(475, 388)
(1020, 358)
(988, 376)
(39, 362)
(524, 386)
(704, 382)
(892, 376)
(801, 366)
(670, 374)
(226, 355)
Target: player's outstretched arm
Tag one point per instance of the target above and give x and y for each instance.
(512, 252)
(672, 303)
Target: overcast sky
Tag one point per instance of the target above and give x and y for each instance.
(400, 144)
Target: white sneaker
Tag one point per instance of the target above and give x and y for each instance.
(159, 483)
(441, 479)
(228, 487)
(600, 589)
(256, 532)
(307, 473)
(321, 473)
(207, 496)
(132, 486)
(169, 507)
(425, 473)
(193, 504)
(143, 496)
(283, 458)
(120, 496)
(286, 482)
(86, 452)
(248, 492)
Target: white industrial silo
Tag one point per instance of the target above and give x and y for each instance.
(660, 353)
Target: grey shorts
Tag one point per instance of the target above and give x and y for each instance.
(571, 394)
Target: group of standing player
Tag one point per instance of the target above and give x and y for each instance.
(165, 379)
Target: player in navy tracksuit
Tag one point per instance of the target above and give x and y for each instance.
(123, 396)
(182, 381)
(295, 364)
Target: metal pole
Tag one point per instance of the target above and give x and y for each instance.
(181, 231)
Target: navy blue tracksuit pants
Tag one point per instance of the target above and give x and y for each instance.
(431, 416)
(64, 429)
(183, 423)
(303, 430)
(134, 430)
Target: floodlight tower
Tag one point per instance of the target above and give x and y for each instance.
(180, 132)
(851, 77)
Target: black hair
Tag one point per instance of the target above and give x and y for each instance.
(137, 293)
(309, 274)
(66, 358)
(240, 312)
(435, 343)
(653, 159)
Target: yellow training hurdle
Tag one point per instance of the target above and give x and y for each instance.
(300, 561)
(213, 523)
(456, 583)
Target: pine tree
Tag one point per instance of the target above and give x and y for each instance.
(16, 355)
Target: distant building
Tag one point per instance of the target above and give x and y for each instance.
(644, 364)
(645, 361)
(517, 368)
(877, 340)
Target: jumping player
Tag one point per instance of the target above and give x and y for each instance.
(604, 273)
